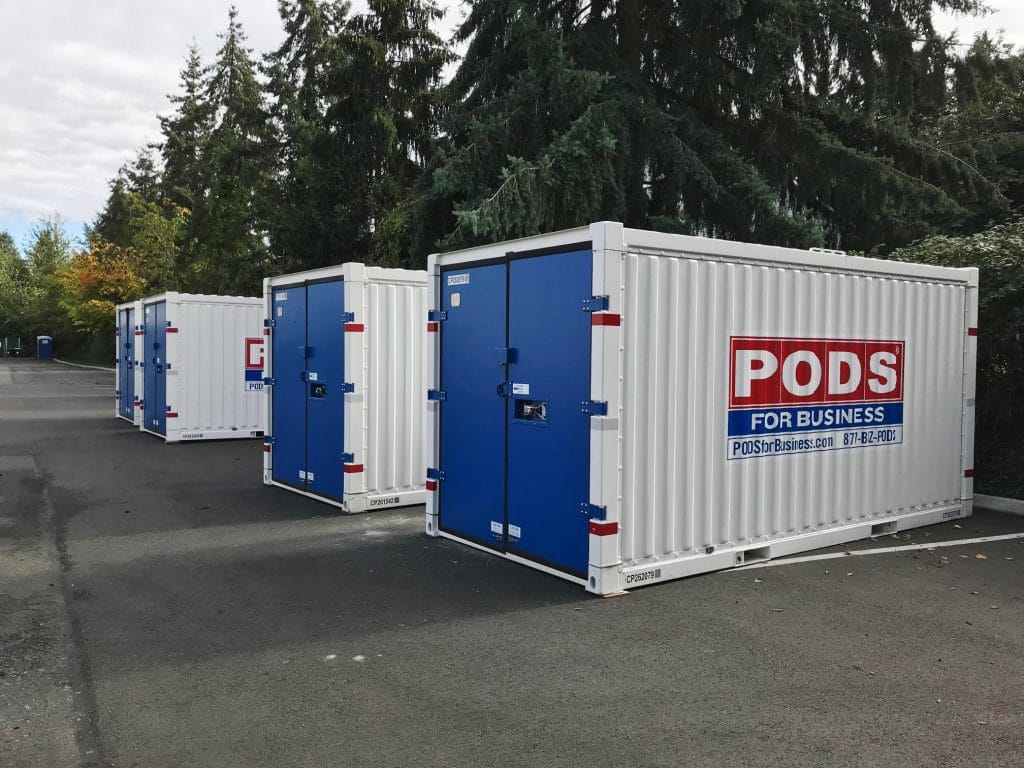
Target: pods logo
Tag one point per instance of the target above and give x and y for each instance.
(780, 386)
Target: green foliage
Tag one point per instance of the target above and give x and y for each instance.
(796, 122)
(47, 255)
(13, 286)
(355, 101)
(999, 254)
(231, 232)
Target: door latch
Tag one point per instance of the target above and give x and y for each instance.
(436, 394)
(594, 408)
(593, 511)
(595, 304)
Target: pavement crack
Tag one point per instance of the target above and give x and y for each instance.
(86, 722)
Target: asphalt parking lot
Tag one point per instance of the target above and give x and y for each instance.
(160, 607)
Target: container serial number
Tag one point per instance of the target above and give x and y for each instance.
(643, 576)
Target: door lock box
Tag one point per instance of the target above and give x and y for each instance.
(534, 411)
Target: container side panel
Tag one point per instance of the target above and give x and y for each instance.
(472, 422)
(210, 368)
(325, 390)
(549, 433)
(288, 393)
(396, 385)
(764, 402)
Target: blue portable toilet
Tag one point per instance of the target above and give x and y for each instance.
(44, 348)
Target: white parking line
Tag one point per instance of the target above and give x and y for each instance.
(882, 551)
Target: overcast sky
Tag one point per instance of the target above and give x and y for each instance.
(81, 82)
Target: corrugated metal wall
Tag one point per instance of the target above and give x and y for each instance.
(211, 366)
(679, 494)
(396, 385)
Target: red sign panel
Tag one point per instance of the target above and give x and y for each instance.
(254, 353)
(774, 371)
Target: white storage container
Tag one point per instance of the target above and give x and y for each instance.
(128, 378)
(201, 367)
(621, 407)
(345, 409)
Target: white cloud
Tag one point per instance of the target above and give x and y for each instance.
(1007, 17)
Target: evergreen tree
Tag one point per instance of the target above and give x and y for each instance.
(186, 134)
(136, 179)
(787, 121)
(238, 165)
(984, 124)
(356, 99)
(13, 286)
(46, 256)
(309, 222)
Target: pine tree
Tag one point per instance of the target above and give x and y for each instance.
(185, 133)
(356, 99)
(785, 121)
(308, 223)
(238, 166)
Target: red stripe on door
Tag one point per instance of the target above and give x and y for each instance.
(172, 330)
(266, 331)
(972, 331)
(431, 485)
(968, 473)
(605, 318)
(354, 327)
(431, 327)
(599, 528)
(353, 469)
(172, 414)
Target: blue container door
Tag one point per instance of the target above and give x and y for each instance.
(548, 434)
(325, 388)
(154, 375)
(471, 501)
(126, 363)
(289, 389)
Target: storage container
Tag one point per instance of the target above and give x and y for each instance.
(345, 361)
(44, 348)
(621, 407)
(201, 363)
(127, 330)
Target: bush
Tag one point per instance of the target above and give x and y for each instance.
(999, 436)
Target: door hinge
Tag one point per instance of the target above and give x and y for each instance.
(348, 317)
(595, 304)
(269, 439)
(436, 394)
(505, 389)
(593, 511)
(435, 474)
(594, 408)
(269, 322)
(347, 458)
(436, 315)
(348, 387)
(268, 381)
